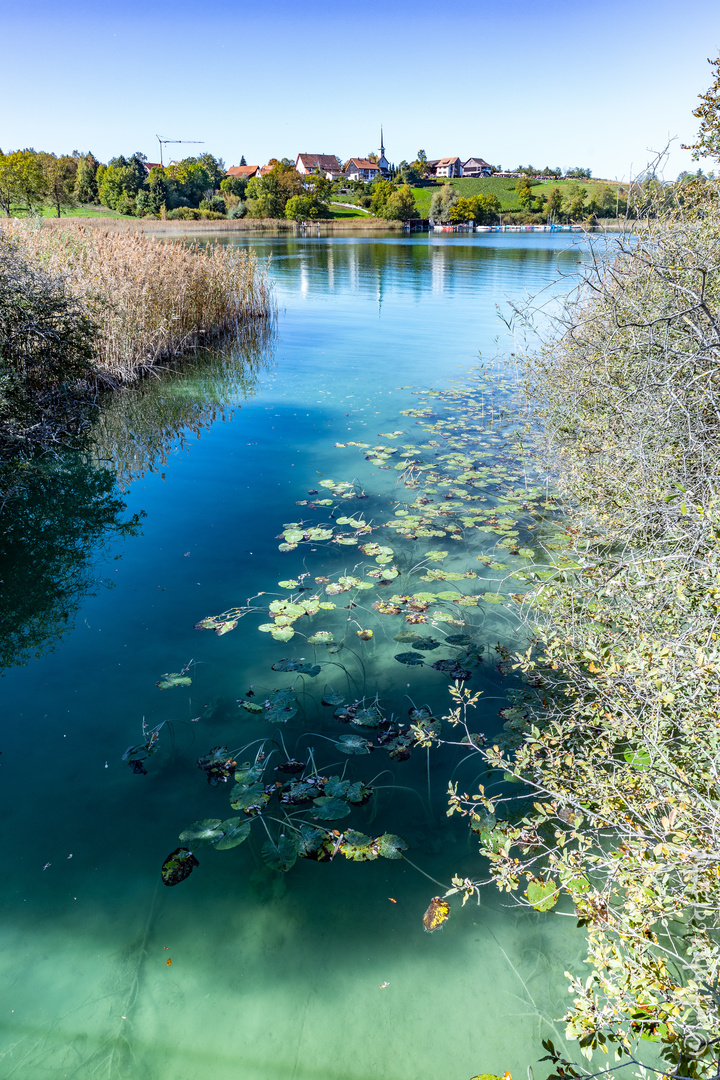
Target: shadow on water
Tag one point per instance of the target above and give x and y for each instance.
(59, 518)
(62, 513)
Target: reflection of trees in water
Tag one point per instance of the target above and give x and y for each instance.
(55, 513)
(136, 428)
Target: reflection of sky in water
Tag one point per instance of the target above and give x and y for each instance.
(270, 976)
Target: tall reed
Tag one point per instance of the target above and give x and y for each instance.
(151, 299)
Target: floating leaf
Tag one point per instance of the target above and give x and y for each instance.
(178, 865)
(280, 706)
(390, 846)
(175, 678)
(358, 847)
(280, 856)
(251, 707)
(414, 659)
(543, 895)
(366, 717)
(436, 914)
(235, 830)
(290, 584)
(218, 765)
(492, 598)
(321, 637)
(331, 697)
(286, 547)
(250, 799)
(310, 841)
(426, 644)
(435, 556)
(330, 809)
(282, 633)
(353, 744)
(297, 665)
(407, 635)
(199, 831)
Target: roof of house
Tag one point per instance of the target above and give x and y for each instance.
(244, 172)
(447, 161)
(362, 163)
(152, 165)
(480, 162)
(323, 162)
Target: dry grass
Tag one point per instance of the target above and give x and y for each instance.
(152, 299)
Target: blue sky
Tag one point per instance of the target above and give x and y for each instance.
(549, 82)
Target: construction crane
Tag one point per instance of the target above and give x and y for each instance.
(164, 141)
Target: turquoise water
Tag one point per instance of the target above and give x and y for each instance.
(175, 514)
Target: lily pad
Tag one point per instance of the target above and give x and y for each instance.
(289, 584)
(174, 678)
(282, 633)
(330, 809)
(321, 637)
(358, 847)
(179, 864)
(391, 846)
(296, 665)
(251, 707)
(280, 856)
(310, 842)
(235, 831)
(353, 744)
(413, 659)
(280, 706)
(200, 831)
(331, 697)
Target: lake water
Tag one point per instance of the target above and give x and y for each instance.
(175, 514)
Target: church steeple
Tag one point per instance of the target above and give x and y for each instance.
(383, 163)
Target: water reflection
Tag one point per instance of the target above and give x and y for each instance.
(57, 518)
(136, 428)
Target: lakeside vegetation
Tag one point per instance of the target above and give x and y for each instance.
(84, 309)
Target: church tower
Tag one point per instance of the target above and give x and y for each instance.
(383, 163)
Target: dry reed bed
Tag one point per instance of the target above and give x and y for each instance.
(152, 299)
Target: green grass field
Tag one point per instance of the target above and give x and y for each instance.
(337, 211)
(502, 186)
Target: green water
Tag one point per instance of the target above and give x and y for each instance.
(110, 558)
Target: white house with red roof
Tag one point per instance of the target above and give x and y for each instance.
(328, 165)
(361, 169)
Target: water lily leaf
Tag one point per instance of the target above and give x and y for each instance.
(218, 765)
(174, 678)
(310, 841)
(293, 536)
(319, 534)
(413, 659)
(353, 744)
(492, 598)
(251, 799)
(407, 635)
(251, 707)
(179, 864)
(358, 793)
(435, 556)
(200, 831)
(358, 847)
(330, 809)
(335, 787)
(364, 635)
(297, 665)
(527, 553)
(347, 540)
(282, 633)
(321, 637)
(267, 627)
(289, 584)
(453, 668)
(280, 856)
(543, 895)
(280, 706)
(390, 846)
(331, 697)
(436, 914)
(426, 644)
(226, 627)
(366, 717)
(235, 831)
(287, 608)
(286, 547)
(459, 639)
(419, 715)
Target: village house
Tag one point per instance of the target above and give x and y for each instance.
(243, 172)
(328, 164)
(447, 166)
(361, 169)
(476, 166)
